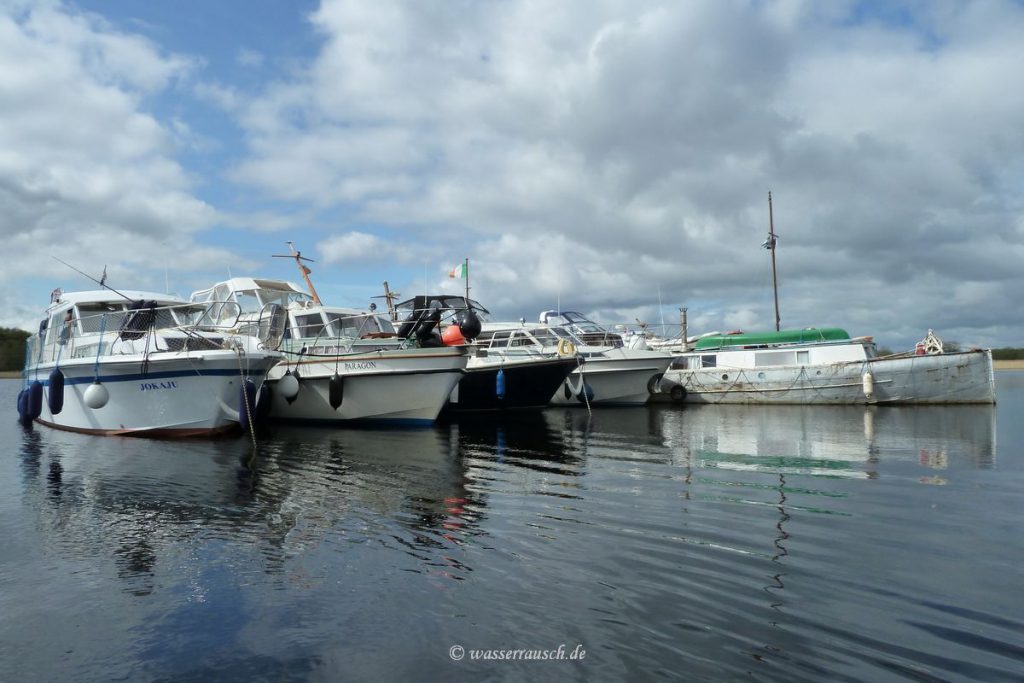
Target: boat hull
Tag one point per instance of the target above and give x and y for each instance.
(170, 395)
(615, 379)
(529, 383)
(407, 386)
(961, 377)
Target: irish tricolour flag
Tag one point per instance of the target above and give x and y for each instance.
(461, 270)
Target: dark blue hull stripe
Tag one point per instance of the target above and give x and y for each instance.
(140, 377)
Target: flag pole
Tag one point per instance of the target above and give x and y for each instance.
(467, 281)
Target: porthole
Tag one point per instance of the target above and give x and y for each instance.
(725, 376)
(760, 375)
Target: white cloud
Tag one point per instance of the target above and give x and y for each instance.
(85, 171)
(249, 58)
(597, 152)
(362, 249)
(580, 140)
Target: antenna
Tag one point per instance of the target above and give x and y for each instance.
(662, 311)
(299, 258)
(102, 282)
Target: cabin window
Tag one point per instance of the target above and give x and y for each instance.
(774, 358)
(185, 315)
(500, 339)
(248, 302)
(90, 317)
(709, 361)
(222, 293)
(521, 339)
(310, 325)
(681, 363)
(803, 357)
(351, 325)
(57, 331)
(546, 338)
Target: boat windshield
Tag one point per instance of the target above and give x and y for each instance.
(562, 333)
(545, 336)
(97, 316)
(449, 304)
(348, 325)
(571, 319)
(281, 297)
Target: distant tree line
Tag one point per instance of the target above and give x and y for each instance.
(1007, 354)
(12, 348)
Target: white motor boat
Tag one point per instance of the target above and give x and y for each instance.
(513, 373)
(341, 364)
(613, 373)
(139, 363)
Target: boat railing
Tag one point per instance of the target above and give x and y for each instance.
(337, 338)
(139, 329)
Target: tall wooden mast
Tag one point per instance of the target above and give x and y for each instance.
(299, 258)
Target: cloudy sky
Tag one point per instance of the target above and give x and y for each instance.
(611, 156)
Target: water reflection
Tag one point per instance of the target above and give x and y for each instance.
(836, 441)
(719, 541)
(301, 489)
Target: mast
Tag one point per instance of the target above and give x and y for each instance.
(770, 246)
(299, 258)
(467, 281)
(683, 328)
(389, 297)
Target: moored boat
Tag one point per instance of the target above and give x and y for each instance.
(341, 364)
(139, 363)
(823, 366)
(615, 373)
(503, 374)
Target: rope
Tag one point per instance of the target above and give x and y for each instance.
(583, 383)
(245, 397)
(99, 349)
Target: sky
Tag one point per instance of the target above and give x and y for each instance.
(611, 157)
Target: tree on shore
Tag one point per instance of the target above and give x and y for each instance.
(12, 348)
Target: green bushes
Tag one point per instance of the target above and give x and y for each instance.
(12, 349)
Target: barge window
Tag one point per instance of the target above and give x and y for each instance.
(774, 358)
(709, 361)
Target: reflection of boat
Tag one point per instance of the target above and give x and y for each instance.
(342, 364)
(823, 366)
(528, 439)
(845, 441)
(138, 363)
(304, 486)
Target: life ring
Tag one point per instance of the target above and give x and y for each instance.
(654, 384)
(566, 348)
(678, 393)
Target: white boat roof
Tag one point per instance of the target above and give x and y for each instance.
(251, 284)
(104, 296)
(248, 284)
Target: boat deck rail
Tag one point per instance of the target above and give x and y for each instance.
(99, 330)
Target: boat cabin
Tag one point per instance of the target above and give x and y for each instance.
(306, 320)
(449, 304)
(586, 330)
(810, 346)
(76, 323)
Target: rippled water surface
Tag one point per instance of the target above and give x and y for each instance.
(699, 543)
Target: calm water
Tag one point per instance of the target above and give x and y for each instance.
(704, 543)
